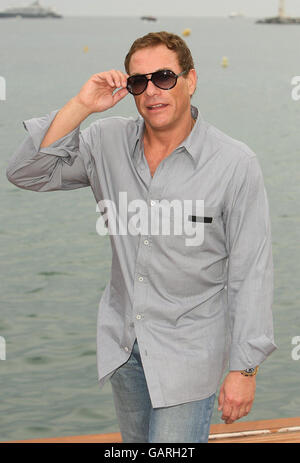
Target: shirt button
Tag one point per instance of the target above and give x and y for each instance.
(141, 279)
(126, 348)
(146, 242)
(152, 202)
(138, 316)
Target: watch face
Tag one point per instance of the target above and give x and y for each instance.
(249, 370)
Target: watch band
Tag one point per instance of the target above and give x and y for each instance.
(249, 371)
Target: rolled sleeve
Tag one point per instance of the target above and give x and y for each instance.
(250, 269)
(63, 165)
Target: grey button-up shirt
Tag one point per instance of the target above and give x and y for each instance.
(195, 310)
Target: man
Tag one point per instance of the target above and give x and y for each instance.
(174, 312)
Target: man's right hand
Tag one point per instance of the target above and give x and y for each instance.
(98, 93)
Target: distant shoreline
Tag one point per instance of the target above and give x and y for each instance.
(279, 20)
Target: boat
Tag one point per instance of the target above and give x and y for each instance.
(149, 18)
(282, 18)
(34, 10)
(236, 14)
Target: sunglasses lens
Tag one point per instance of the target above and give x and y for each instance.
(164, 79)
(136, 84)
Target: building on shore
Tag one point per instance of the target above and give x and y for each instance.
(282, 18)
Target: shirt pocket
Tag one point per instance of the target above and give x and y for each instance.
(204, 241)
(196, 264)
(200, 231)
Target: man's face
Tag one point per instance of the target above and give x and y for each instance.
(176, 101)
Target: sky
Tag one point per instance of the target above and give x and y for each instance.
(251, 8)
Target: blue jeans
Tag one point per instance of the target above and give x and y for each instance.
(140, 422)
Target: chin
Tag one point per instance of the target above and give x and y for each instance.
(158, 121)
(159, 125)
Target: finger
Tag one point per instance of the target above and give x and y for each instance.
(113, 78)
(226, 411)
(221, 399)
(248, 408)
(109, 77)
(238, 413)
(234, 415)
(242, 412)
(119, 94)
(104, 76)
(123, 79)
(229, 421)
(117, 77)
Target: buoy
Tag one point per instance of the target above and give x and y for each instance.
(186, 32)
(85, 49)
(224, 61)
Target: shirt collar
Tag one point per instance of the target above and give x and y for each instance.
(192, 145)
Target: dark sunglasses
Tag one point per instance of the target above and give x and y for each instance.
(164, 79)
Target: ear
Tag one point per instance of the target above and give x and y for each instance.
(192, 81)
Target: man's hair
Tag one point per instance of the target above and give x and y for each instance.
(171, 41)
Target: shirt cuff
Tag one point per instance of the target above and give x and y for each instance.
(250, 353)
(65, 147)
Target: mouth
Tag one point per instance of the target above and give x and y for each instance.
(156, 107)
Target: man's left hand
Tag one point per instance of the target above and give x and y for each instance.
(236, 396)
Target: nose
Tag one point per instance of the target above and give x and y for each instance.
(151, 88)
